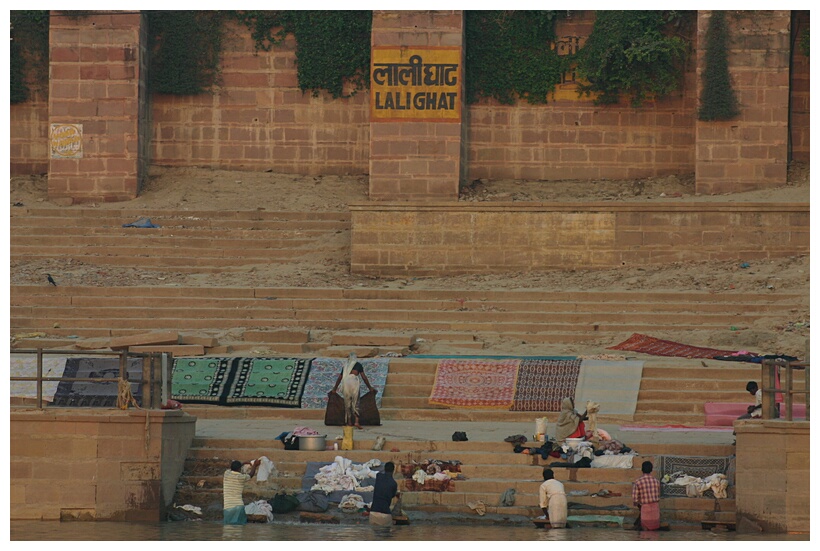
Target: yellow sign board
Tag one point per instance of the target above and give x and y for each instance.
(66, 141)
(415, 84)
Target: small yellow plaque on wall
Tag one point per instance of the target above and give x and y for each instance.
(415, 84)
(66, 141)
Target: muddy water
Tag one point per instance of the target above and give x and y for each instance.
(214, 531)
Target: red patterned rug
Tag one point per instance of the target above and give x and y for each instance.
(542, 384)
(475, 383)
(659, 347)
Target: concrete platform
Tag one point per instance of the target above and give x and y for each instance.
(483, 431)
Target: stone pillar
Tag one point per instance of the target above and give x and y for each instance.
(417, 74)
(96, 106)
(773, 473)
(750, 151)
(800, 81)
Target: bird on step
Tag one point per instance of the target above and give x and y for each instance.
(51, 280)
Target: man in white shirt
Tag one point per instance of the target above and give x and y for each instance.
(755, 411)
(553, 500)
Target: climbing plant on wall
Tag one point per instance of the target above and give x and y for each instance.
(185, 47)
(332, 47)
(28, 53)
(718, 101)
(633, 54)
(804, 42)
(509, 55)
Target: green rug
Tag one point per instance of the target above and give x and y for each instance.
(200, 380)
(268, 382)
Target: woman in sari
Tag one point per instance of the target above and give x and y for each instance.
(570, 423)
(350, 381)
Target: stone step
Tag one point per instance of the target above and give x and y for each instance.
(491, 321)
(83, 232)
(116, 243)
(34, 213)
(427, 294)
(449, 415)
(543, 307)
(115, 221)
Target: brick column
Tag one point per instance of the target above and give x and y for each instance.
(750, 151)
(800, 80)
(416, 105)
(96, 105)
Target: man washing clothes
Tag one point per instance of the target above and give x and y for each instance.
(646, 496)
(233, 484)
(384, 491)
(553, 500)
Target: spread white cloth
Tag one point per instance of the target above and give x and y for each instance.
(695, 487)
(619, 461)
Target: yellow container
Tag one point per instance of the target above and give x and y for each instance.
(347, 440)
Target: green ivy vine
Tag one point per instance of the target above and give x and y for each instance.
(185, 50)
(28, 53)
(508, 56)
(332, 47)
(804, 42)
(718, 101)
(633, 54)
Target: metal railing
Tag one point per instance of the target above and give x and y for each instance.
(154, 380)
(770, 369)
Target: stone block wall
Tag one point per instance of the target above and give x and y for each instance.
(800, 100)
(258, 119)
(94, 83)
(445, 238)
(570, 137)
(750, 151)
(416, 160)
(96, 464)
(773, 474)
(28, 135)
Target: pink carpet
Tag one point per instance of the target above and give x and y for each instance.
(475, 383)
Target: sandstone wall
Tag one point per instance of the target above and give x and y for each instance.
(447, 238)
(96, 464)
(773, 473)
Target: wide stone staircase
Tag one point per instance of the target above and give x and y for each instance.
(310, 319)
(489, 468)
(672, 391)
(369, 317)
(185, 241)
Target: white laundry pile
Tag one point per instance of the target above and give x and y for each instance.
(192, 508)
(260, 507)
(695, 487)
(420, 476)
(343, 474)
(351, 503)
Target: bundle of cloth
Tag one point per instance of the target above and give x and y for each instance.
(695, 487)
(343, 474)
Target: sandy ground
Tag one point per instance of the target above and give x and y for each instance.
(205, 189)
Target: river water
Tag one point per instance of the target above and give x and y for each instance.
(215, 531)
